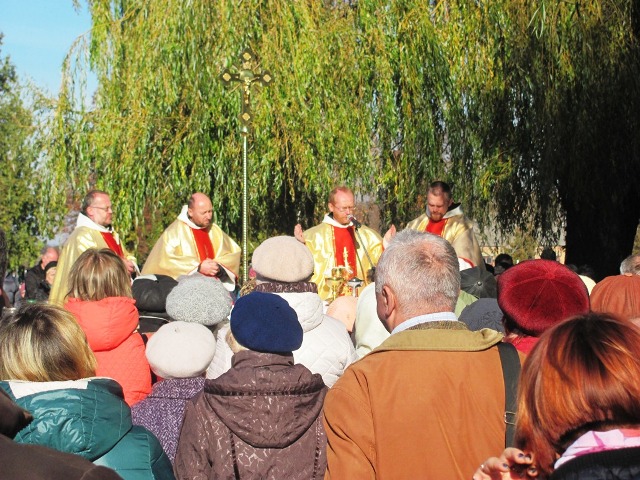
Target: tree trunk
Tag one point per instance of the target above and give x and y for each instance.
(602, 238)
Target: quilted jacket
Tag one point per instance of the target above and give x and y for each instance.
(89, 418)
(110, 325)
(326, 346)
(260, 420)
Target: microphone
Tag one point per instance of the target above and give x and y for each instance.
(355, 222)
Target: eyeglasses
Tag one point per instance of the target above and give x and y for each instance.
(345, 209)
(106, 209)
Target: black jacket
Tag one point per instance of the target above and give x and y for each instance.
(621, 464)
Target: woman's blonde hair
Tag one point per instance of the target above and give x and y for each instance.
(44, 343)
(98, 274)
(233, 343)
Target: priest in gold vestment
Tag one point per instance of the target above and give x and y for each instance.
(444, 218)
(336, 243)
(192, 243)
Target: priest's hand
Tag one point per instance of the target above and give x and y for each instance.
(297, 232)
(209, 267)
(386, 240)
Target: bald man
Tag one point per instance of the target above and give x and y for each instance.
(193, 243)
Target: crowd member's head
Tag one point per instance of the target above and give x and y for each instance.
(548, 253)
(97, 206)
(417, 274)
(478, 282)
(44, 343)
(48, 254)
(503, 262)
(439, 200)
(264, 322)
(618, 295)
(199, 299)
(537, 294)
(631, 265)
(99, 274)
(581, 376)
(275, 275)
(342, 203)
(200, 210)
(50, 272)
(181, 350)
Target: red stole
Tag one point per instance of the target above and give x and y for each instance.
(436, 227)
(114, 246)
(203, 242)
(345, 239)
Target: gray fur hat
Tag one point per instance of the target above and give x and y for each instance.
(199, 299)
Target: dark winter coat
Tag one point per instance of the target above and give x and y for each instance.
(260, 420)
(621, 464)
(162, 412)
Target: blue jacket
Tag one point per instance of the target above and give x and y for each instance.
(89, 418)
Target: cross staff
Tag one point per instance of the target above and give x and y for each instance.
(249, 74)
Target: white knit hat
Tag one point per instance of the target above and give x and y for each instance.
(181, 350)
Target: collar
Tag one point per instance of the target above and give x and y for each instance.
(84, 221)
(183, 217)
(330, 221)
(430, 317)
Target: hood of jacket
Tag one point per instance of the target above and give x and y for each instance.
(85, 417)
(308, 307)
(107, 322)
(266, 400)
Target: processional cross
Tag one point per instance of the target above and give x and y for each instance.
(248, 74)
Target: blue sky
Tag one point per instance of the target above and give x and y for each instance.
(38, 35)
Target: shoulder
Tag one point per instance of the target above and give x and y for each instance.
(413, 224)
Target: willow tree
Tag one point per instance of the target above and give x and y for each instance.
(384, 95)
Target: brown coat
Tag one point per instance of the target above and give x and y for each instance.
(427, 403)
(262, 419)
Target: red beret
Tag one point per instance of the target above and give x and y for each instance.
(536, 294)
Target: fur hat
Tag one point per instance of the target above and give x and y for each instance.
(264, 322)
(619, 295)
(536, 294)
(199, 299)
(478, 282)
(181, 350)
(282, 259)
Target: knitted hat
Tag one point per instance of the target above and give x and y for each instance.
(265, 322)
(151, 291)
(283, 259)
(199, 299)
(478, 282)
(536, 294)
(619, 295)
(483, 313)
(181, 350)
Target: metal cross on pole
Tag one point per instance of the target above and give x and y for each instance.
(248, 74)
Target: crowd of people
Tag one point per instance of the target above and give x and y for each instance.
(348, 354)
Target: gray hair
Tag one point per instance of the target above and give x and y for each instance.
(631, 265)
(422, 270)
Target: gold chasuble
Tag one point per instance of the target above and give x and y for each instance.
(457, 230)
(178, 253)
(330, 243)
(86, 235)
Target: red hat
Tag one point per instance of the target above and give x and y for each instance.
(619, 295)
(536, 294)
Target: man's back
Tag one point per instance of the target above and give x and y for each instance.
(428, 403)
